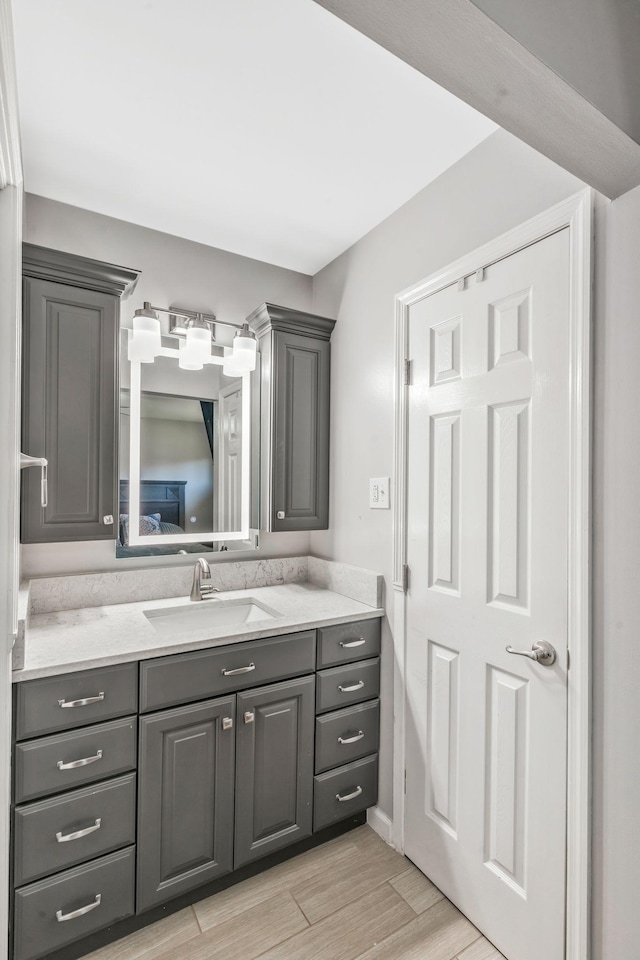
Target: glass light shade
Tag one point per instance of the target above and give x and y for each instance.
(145, 343)
(196, 349)
(187, 360)
(230, 366)
(245, 348)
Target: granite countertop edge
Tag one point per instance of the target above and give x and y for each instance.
(73, 640)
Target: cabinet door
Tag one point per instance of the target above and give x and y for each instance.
(300, 441)
(185, 802)
(274, 768)
(69, 406)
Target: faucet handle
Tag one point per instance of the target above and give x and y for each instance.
(208, 588)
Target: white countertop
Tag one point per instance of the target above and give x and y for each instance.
(72, 640)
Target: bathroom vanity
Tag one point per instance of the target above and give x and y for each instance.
(141, 786)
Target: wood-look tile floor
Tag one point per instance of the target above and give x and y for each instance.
(351, 899)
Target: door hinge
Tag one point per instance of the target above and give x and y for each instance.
(405, 577)
(407, 373)
(405, 781)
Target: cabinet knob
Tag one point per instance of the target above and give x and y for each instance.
(108, 520)
(249, 716)
(280, 514)
(227, 723)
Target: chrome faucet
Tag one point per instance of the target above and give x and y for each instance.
(200, 590)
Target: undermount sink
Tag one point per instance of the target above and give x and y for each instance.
(196, 617)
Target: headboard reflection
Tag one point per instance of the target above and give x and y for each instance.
(165, 497)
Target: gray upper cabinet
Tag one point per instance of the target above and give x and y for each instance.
(69, 400)
(296, 364)
(274, 768)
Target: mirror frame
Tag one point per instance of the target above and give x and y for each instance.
(246, 531)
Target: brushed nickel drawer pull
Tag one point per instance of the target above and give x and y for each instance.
(227, 723)
(249, 716)
(81, 703)
(64, 838)
(349, 796)
(234, 673)
(354, 686)
(358, 736)
(347, 644)
(61, 917)
(79, 763)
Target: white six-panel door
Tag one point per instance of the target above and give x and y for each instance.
(487, 506)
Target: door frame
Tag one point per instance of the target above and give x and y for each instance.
(576, 214)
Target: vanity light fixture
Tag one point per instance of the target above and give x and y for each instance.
(245, 347)
(196, 332)
(146, 342)
(230, 366)
(195, 349)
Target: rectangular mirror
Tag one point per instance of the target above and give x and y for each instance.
(188, 469)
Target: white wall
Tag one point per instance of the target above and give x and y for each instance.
(494, 188)
(174, 272)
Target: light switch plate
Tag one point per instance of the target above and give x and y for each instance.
(379, 493)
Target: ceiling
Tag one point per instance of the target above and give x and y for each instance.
(269, 128)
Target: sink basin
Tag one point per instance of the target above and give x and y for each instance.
(195, 617)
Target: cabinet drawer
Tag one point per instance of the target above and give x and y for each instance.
(67, 760)
(347, 642)
(185, 677)
(344, 791)
(342, 686)
(44, 911)
(52, 835)
(346, 735)
(75, 699)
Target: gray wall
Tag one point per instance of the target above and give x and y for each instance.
(616, 577)
(174, 271)
(494, 188)
(592, 44)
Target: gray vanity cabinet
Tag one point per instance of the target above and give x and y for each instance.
(185, 805)
(69, 400)
(274, 768)
(225, 774)
(296, 365)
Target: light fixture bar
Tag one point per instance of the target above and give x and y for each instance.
(196, 315)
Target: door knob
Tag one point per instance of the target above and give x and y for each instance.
(541, 651)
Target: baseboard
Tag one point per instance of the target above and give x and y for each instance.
(381, 823)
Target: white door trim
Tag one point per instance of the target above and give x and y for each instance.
(576, 214)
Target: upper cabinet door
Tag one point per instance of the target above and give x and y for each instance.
(69, 399)
(301, 433)
(296, 375)
(70, 347)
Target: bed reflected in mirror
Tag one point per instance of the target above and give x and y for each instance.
(176, 472)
